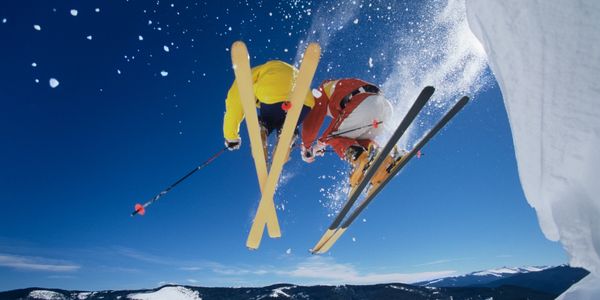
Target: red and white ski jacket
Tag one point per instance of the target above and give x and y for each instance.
(336, 98)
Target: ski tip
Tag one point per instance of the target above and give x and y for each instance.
(139, 210)
(314, 47)
(237, 44)
(428, 91)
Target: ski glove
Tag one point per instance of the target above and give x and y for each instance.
(233, 144)
(319, 149)
(307, 154)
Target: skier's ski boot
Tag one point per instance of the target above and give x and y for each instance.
(387, 165)
(360, 159)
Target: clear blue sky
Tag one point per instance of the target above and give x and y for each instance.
(75, 159)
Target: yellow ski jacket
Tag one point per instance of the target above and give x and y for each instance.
(272, 82)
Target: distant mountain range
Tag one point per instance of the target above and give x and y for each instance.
(553, 280)
(506, 283)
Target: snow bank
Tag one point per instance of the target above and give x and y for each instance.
(45, 295)
(167, 293)
(546, 58)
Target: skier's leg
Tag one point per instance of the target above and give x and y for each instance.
(273, 116)
(375, 108)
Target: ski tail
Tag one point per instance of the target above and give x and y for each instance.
(400, 163)
(418, 105)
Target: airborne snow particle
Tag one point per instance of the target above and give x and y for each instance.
(141, 38)
(364, 220)
(74, 12)
(34, 64)
(118, 71)
(285, 50)
(37, 27)
(54, 83)
(370, 62)
(353, 239)
(89, 37)
(355, 21)
(97, 10)
(37, 80)
(288, 251)
(4, 20)
(166, 48)
(164, 73)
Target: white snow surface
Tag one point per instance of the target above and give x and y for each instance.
(501, 271)
(167, 293)
(45, 295)
(280, 292)
(546, 58)
(586, 289)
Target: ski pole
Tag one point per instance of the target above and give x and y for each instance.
(375, 124)
(141, 209)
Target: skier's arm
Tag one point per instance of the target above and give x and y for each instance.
(234, 114)
(314, 119)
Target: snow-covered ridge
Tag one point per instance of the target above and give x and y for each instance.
(500, 272)
(167, 293)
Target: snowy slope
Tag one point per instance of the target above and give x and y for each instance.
(167, 293)
(480, 277)
(546, 58)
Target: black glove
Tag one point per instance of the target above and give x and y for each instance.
(307, 154)
(233, 144)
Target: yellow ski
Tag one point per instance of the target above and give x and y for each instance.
(243, 75)
(266, 206)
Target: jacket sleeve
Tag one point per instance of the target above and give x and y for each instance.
(234, 114)
(314, 119)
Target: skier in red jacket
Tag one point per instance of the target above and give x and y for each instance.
(358, 111)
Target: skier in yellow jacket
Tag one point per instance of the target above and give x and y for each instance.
(272, 83)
